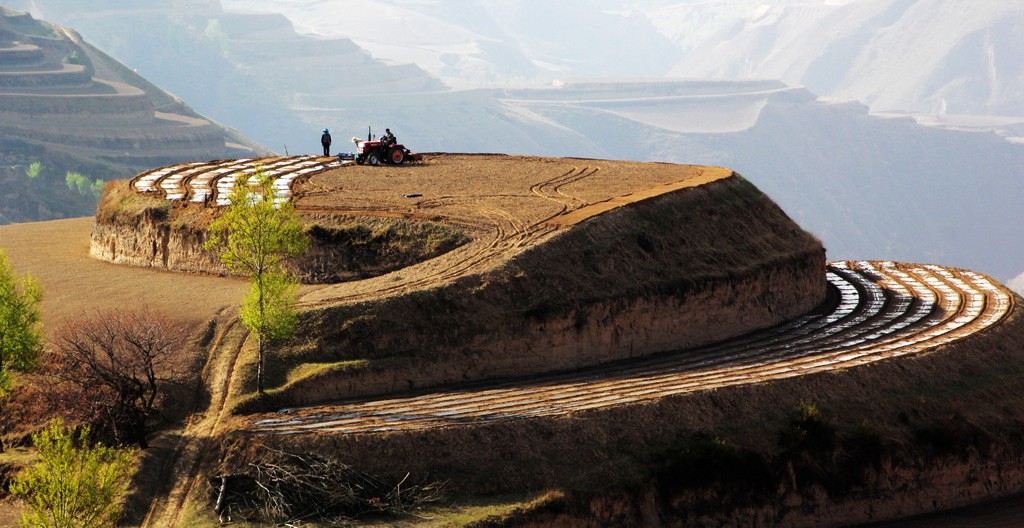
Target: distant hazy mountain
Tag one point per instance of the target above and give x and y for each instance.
(922, 56)
(491, 42)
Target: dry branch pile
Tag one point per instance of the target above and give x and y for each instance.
(286, 487)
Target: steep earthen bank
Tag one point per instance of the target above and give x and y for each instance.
(511, 345)
(678, 270)
(151, 242)
(680, 257)
(887, 440)
(341, 248)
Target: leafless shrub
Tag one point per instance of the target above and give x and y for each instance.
(289, 487)
(112, 367)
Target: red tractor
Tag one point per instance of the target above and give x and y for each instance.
(383, 151)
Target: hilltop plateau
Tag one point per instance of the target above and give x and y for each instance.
(513, 234)
(597, 342)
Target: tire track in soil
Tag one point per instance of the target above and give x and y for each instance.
(195, 446)
(506, 234)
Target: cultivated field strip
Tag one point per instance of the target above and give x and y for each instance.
(213, 181)
(880, 310)
(501, 233)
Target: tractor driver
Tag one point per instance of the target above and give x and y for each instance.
(388, 138)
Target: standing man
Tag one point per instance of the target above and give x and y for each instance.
(325, 140)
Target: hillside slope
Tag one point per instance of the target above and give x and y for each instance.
(73, 109)
(479, 43)
(867, 50)
(251, 71)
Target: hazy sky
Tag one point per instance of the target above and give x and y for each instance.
(938, 57)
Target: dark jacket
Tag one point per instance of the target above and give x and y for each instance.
(325, 139)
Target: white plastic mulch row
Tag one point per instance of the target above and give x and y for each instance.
(225, 182)
(884, 310)
(214, 181)
(147, 181)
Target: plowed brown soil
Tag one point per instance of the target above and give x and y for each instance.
(506, 203)
(74, 284)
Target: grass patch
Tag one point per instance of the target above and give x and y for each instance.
(347, 248)
(281, 376)
(121, 205)
(386, 235)
(194, 217)
(285, 374)
(307, 370)
(292, 381)
(483, 511)
(463, 512)
(17, 457)
(197, 513)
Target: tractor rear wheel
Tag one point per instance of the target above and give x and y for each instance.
(373, 159)
(397, 155)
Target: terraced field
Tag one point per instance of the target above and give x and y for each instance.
(882, 310)
(878, 310)
(60, 94)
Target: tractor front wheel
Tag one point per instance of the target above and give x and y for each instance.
(373, 159)
(396, 156)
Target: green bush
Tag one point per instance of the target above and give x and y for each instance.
(74, 483)
(84, 186)
(808, 430)
(33, 170)
(21, 337)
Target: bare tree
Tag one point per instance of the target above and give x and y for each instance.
(115, 364)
